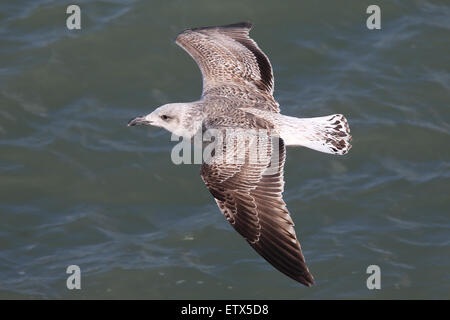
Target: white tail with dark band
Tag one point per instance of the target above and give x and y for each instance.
(330, 134)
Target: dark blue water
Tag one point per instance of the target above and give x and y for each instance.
(79, 187)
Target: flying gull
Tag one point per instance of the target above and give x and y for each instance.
(237, 94)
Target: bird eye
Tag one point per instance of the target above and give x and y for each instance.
(164, 117)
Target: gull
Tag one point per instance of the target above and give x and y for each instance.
(238, 85)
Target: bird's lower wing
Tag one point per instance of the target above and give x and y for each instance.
(249, 194)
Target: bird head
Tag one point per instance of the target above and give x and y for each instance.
(172, 117)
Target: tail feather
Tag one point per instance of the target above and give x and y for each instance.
(330, 134)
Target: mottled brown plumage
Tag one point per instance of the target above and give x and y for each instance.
(246, 179)
(231, 64)
(237, 74)
(251, 199)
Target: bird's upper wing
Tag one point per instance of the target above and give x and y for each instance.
(249, 194)
(231, 63)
